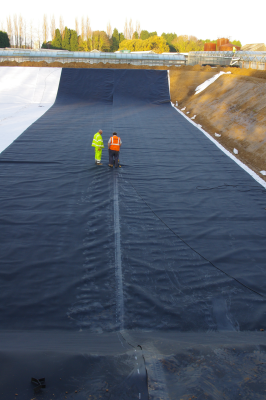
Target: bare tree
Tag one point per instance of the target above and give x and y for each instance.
(138, 30)
(20, 30)
(126, 30)
(88, 31)
(25, 33)
(9, 30)
(61, 26)
(82, 29)
(15, 21)
(109, 30)
(52, 27)
(39, 35)
(130, 29)
(45, 28)
(88, 28)
(31, 34)
(77, 25)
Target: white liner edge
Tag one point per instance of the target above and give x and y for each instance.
(26, 94)
(242, 165)
(168, 74)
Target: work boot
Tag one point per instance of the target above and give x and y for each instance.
(99, 163)
(110, 165)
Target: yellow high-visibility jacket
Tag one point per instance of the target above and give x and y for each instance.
(97, 141)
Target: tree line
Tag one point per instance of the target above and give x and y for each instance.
(99, 40)
(185, 43)
(4, 40)
(142, 41)
(22, 34)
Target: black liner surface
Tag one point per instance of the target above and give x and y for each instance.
(191, 245)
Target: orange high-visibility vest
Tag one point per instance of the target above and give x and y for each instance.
(115, 143)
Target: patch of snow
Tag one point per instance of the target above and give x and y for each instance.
(263, 172)
(207, 83)
(182, 109)
(188, 112)
(230, 155)
(176, 103)
(235, 151)
(194, 116)
(217, 135)
(199, 125)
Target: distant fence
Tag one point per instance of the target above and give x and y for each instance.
(252, 59)
(21, 55)
(214, 58)
(242, 59)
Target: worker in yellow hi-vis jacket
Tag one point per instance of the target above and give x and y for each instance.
(97, 143)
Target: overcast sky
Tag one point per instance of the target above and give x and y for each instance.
(205, 19)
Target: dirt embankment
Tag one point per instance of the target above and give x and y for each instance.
(233, 106)
(80, 65)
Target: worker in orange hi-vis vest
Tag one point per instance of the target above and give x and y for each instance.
(114, 144)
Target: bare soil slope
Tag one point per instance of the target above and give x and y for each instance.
(233, 106)
(183, 83)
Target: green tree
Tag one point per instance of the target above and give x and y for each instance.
(152, 34)
(144, 35)
(99, 41)
(115, 40)
(155, 43)
(208, 41)
(121, 37)
(105, 43)
(4, 40)
(74, 45)
(132, 45)
(82, 44)
(57, 42)
(237, 43)
(66, 41)
(169, 37)
(135, 35)
(185, 43)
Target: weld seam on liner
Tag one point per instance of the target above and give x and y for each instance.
(118, 262)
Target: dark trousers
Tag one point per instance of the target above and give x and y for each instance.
(115, 154)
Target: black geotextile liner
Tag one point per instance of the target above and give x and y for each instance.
(73, 365)
(191, 241)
